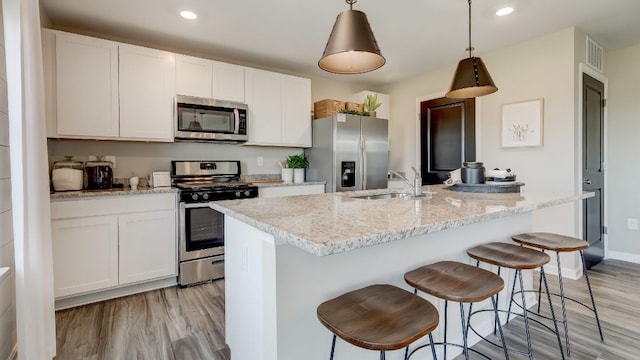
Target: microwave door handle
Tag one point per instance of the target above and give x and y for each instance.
(236, 118)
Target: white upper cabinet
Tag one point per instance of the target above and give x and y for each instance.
(209, 79)
(264, 98)
(147, 88)
(279, 109)
(228, 82)
(296, 111)
(194, 76)
(86, 86)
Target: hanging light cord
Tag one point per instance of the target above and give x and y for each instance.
(351, 2)
(470, 48)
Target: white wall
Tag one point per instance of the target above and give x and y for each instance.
(623, 110)
(544, 67)
(7, 284)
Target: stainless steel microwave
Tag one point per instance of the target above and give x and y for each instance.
(202, 119)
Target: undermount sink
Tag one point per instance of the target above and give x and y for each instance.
(406, 196)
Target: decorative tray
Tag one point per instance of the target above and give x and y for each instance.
(504, 187)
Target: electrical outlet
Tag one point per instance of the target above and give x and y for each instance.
(260, 161)
(632, 224)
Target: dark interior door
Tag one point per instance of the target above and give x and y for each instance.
(448, 137)
(592, 167)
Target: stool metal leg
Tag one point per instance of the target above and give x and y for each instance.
(540, 291)
(381, 355)
(513, 289)
(494, 301)
(564, 309)
(333, 347)
(446, 316)
(465, 330)
(593, 303)
(543, 276)
(524, 313)
(433, 348)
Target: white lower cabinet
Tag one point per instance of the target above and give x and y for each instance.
(147, 246)
(107, 243)
(85, 254)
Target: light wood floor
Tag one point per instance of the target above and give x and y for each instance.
(185, 324)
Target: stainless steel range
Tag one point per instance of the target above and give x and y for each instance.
(201, 239)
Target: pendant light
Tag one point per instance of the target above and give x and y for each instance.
(471, 78)
(352, 47)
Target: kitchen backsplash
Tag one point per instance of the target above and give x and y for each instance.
(140, 159)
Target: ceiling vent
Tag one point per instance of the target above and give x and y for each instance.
(595, 55)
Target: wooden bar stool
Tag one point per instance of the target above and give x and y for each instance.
(379, 317)
(561, 243)
(462, 283)
(518, 258)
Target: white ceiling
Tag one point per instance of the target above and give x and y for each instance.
(415, 36)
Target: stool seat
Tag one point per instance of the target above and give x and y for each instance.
(554, 242)
(379, 317)
(509, 256)
(450, 280)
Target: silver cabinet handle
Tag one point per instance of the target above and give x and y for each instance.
(586, 181)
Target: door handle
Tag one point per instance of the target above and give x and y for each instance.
(586, 181)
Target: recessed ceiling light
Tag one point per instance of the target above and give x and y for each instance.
(189, 15)
(504, 11)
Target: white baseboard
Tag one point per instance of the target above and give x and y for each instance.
(617, 255)
(73, 301)
(567, 273)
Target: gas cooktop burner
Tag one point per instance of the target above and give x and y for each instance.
(208, 185)
(210, 180)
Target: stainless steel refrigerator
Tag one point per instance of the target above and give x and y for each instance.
(349, 152)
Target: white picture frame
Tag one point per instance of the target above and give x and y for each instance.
(522, 124)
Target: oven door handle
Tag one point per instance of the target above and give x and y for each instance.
(195, 205)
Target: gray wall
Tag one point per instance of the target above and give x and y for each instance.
(623, 147)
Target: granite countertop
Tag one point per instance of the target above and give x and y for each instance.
(326, 224)
(278, 183)
(70, 195)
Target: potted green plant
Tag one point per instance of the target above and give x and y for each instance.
(298, 163)
(371, 104)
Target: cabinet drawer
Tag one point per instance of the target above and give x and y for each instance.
(112, 205)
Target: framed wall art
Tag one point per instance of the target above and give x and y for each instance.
(522, 124)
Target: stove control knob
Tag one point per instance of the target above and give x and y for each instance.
(205, 196)
(194, 196)
(238, 193)
(247, 193)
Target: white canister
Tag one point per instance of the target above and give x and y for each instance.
(298, 176)
(287, 175)
(67, 175)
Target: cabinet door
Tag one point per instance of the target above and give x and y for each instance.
(147, 246)
(296, 114)
(228, 82)
(86, 86)
(194, 76)
(264, 98)
(147, 88)
(85, 254)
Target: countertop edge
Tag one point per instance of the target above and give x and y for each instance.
(353, 244)
(283, 184)
(82, 194)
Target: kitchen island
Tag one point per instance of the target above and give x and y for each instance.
(284, 256)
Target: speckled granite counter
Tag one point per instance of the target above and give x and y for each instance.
(332, 223)
(74, 195)
(280, 184)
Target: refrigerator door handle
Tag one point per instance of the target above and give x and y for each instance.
(363, 148)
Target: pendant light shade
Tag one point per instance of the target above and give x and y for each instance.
(471, 78)
(352, 47)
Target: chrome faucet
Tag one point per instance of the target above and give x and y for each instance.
(416, 185)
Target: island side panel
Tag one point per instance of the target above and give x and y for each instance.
(286, 313)
(250, 292)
